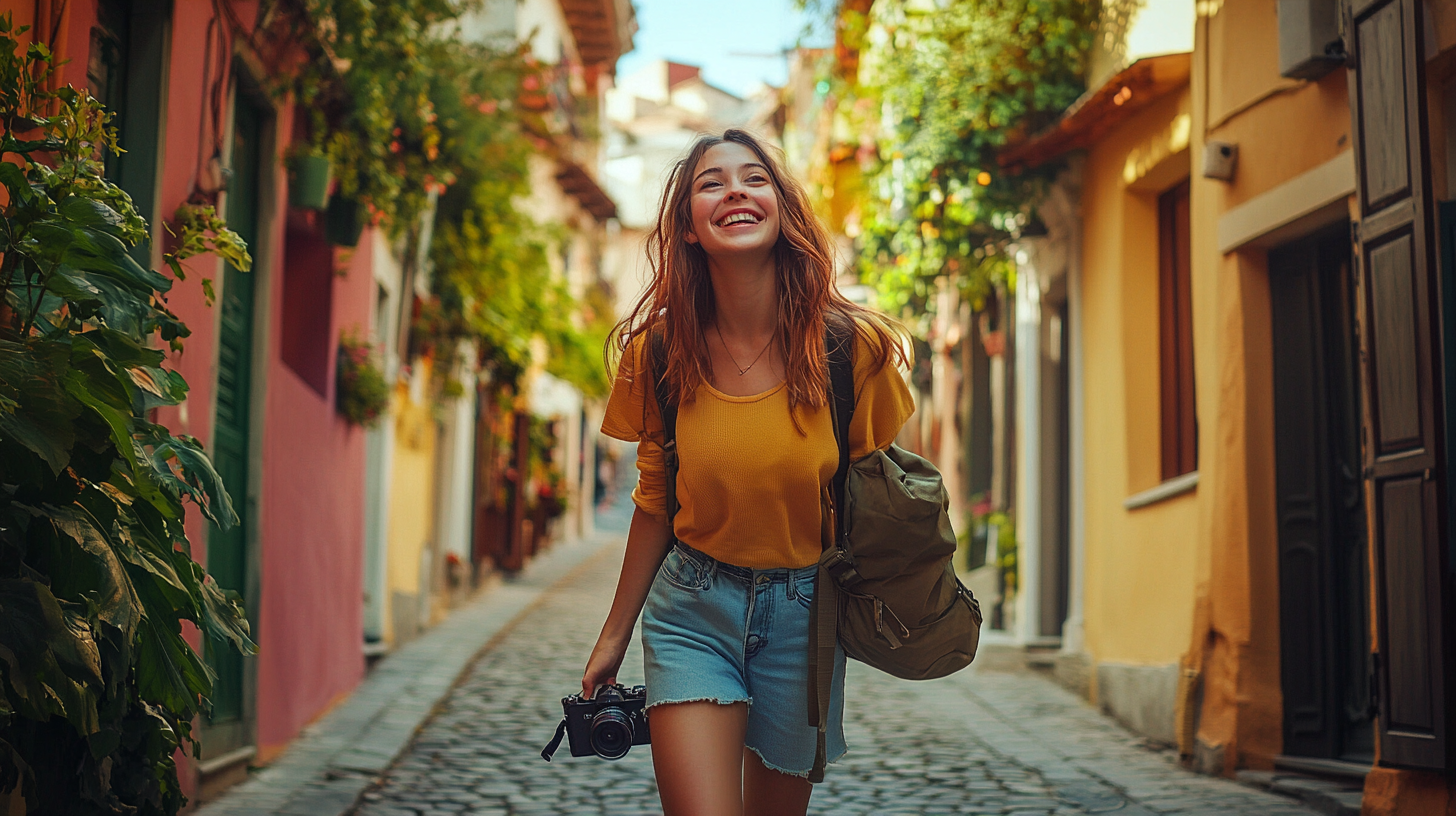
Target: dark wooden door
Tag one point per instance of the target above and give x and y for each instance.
(1403, 457)
(228, 728)
(1323, 596)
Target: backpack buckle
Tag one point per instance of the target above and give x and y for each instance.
(841, 569)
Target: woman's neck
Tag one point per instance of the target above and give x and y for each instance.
(745, 292)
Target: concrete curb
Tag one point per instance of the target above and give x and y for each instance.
(327, 767)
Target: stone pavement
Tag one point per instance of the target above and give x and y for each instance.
(334, 760)
(979, 742)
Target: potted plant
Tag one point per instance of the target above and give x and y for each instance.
(362, 393)
(343, 221)
(309, 174)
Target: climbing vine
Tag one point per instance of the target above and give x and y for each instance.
(413, 114)
(943, 87)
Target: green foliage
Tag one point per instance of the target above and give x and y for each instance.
(369, 94)
(363, 393)
(405, 108)
(492, 270)
(98, 687)
(948, 85)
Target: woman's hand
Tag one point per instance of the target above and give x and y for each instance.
(602, 666)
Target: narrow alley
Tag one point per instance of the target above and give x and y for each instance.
(990, 740)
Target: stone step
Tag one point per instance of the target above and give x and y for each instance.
(1331, 797)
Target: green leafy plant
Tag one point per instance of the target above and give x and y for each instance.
(406, 109)
(363, 393)
(492, 261)
(98, 687)
(943, 88)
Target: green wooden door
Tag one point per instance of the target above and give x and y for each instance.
(227, 550)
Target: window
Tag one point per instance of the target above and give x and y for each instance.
(1175, 319)
(124, 70)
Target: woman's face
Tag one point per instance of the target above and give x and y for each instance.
(735, 208)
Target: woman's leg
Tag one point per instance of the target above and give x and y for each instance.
(767, 792)
(697, 752)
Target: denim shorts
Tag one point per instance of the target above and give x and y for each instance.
(716, 632)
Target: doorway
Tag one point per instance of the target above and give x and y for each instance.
(229, 728)
(1323, 572)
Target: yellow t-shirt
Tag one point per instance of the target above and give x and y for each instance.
(748, 482)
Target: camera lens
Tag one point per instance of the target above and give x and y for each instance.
(611, 733)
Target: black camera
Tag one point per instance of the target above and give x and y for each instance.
(606, 725)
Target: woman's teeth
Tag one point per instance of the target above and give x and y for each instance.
(738, 218)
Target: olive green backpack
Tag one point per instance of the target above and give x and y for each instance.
(886, 590)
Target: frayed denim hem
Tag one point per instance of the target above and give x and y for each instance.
(649, 708)
(786, 771)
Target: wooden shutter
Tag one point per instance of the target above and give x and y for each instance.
(1404, 471)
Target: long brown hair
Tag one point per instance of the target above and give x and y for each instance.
(679, 299)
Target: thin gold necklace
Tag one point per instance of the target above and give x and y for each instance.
(741, 369)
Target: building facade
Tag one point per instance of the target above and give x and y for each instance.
(1264, 558)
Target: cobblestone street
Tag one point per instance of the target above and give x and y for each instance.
(980, 742)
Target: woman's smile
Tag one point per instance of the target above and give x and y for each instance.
(740, 217)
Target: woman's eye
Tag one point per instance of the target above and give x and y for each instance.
(708, 184)
(756, 177)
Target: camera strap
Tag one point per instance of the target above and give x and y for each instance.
(555, 741)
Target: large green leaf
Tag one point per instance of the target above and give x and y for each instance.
(13, 177)
(180, 463)
(120, 307)
(116, 599)
(168, 672)
(102, 379)
(41, 414)
(123, 350)
(48, 656)
(78, 386)
(223, 617)
(98, 251)
(87, 212)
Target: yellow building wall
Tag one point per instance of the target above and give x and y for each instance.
(411, 498)
(1283, 128)
(1140, 564)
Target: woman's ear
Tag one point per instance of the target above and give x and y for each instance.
(691, 237)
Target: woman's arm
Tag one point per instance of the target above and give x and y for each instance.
(647, 544)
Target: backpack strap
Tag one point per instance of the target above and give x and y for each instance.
(667, 409)
(824, 614)
(841, 392)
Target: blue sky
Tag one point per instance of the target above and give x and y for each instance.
(715, 34)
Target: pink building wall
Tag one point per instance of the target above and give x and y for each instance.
(312, 526)
(310, 522)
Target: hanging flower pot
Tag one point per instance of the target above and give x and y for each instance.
(309, 186)
(343, 221)
(362, 394)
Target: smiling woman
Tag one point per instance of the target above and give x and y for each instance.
(733, 325)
